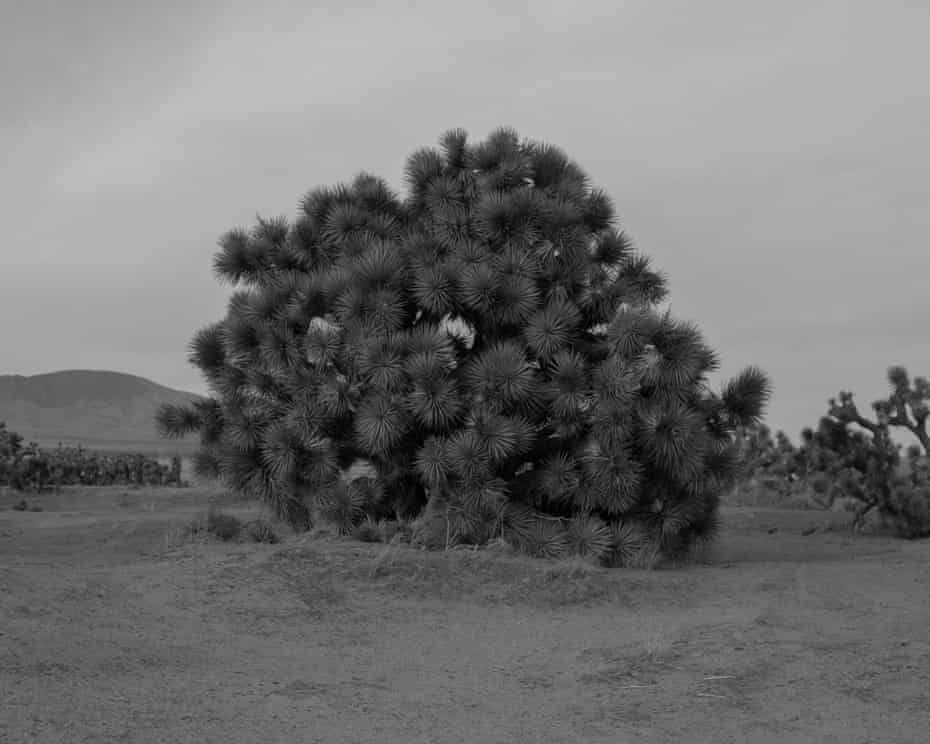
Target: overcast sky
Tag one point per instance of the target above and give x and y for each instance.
(773, 158)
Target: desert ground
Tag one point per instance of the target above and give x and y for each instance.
(114, 627)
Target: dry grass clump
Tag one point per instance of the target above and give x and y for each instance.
(496, 573)
(23, 505)
(215, 524)
(262, 530)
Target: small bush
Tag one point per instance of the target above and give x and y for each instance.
(21, 505)
(499, 546)
(569, 569)
(342, 507)
(368, 531)
(224, 526)
(262, 531)
(908, 512)
(212, 523)
(395, 531)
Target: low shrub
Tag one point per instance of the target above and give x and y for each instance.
(224, 526)
(263, 531)
(395, 531)
(212, 523)
(368, 531)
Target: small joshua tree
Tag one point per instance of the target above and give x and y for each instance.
(907, 406)
(10, 442)
(491, 345)
(10, 447)
(852, 457)
(759, 450)
(769, 462)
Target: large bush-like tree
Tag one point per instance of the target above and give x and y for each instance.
(491, 344)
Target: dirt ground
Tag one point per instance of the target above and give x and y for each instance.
(111, 631)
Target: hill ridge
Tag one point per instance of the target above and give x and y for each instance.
(101, 409)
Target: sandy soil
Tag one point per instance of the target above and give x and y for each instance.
(111, 633)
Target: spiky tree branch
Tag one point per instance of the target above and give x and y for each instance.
(907, 406)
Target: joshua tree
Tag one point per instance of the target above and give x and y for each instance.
(866, 466)
(848, 455)
(907, 406)
(491, 344)
(10, 442)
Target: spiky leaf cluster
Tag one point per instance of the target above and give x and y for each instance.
(491, 342)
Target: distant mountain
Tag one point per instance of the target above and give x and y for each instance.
(100, 410)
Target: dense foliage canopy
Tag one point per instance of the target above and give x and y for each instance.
(491, 344)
